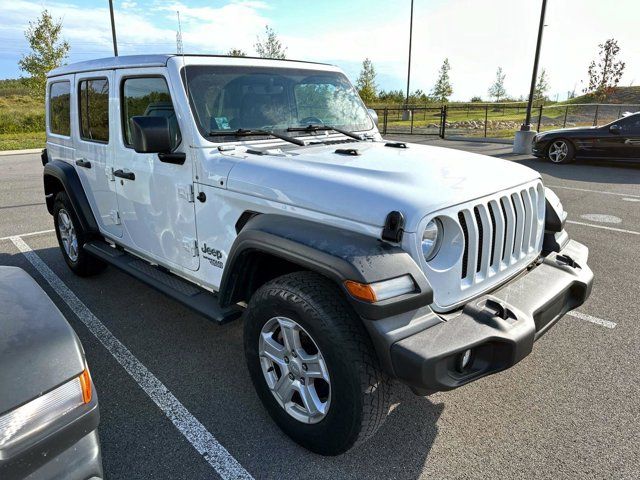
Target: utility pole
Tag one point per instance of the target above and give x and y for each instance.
(522, 142)
(113, 29)
(406, 115)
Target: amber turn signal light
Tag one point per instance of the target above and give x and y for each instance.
(361, 291)
(85, 383)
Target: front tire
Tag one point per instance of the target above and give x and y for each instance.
(313, 364)
(561, 151)
(71, 238)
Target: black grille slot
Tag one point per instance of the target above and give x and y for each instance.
(515, 228)
(476, 212)
(493, 233)
(507, 227)
(465, 232)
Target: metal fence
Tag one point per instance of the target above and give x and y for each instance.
(494, 120)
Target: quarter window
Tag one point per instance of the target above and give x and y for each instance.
(94, 110)
(60, 108)
(148, 96)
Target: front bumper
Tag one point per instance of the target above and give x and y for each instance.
(499, 329)
(539, 148)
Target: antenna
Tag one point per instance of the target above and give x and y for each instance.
(181, 52)
(179, 47)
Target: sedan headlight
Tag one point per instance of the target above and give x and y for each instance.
(431, 239)
(40, 412)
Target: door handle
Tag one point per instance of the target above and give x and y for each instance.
(122, 174)
(83, 163)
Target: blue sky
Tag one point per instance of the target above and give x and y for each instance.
(477, 36)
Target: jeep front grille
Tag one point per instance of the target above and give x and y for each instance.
(487, 241)
(499, 232)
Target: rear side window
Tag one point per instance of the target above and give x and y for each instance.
(147, 96)
(94, 110)
(60, 108)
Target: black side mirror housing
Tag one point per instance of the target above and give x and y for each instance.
(150, 134)
(615, 129)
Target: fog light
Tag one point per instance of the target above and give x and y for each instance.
(465, 360)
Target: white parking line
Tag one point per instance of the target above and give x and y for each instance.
(30, 234)
(200, 438)
(632, 232)
(592, 319)
(594, 191)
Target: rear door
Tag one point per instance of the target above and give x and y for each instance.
(93, 137)
(156, 201)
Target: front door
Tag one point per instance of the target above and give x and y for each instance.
(630, 133)
(155, 199)
(93, 139)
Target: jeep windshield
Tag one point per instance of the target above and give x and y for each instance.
(308, 102)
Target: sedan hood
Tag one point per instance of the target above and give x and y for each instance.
(416, 180)
(572, 130)
(38, 348)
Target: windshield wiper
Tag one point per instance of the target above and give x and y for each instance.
(242, 132)
(317, 128)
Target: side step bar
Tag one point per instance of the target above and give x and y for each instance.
(198, 299)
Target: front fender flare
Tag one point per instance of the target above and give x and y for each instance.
(333, 252)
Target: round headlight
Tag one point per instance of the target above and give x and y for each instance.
(431, 239)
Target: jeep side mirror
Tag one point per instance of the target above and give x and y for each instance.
(150, 134)
(374, 115)
(615, 129)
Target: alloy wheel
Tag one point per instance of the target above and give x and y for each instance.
(558, 151)
(295, 370)
(68, 235)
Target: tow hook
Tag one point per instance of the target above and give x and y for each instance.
(567, 260)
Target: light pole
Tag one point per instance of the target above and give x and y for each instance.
(406, 115)
(522, 142)
(113, 29)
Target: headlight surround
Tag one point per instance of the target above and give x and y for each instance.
(431, 239)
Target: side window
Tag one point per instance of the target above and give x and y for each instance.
(630, 124)
(148, 96)
(60, 108)
(94, 109)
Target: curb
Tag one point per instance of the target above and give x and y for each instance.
(20, 152)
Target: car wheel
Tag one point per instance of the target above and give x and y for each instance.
(561, 151)
(313, 364)
(72, 238)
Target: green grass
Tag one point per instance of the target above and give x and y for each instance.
(21, 141)
(21, 117)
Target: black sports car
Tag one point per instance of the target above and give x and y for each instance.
(619, 140)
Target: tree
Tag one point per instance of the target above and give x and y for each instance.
(476, 99)
(497, 90)
(605, 74)
(47, 51)
(443, 89)
(542, 86)
(366, 83)
(270, 46)
(236, 52)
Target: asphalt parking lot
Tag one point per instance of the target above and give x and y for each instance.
(177, 403)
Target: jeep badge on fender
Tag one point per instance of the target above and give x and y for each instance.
(352, 261)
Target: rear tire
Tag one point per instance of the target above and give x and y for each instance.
(354, 402)
(561, 151)
(72, 238)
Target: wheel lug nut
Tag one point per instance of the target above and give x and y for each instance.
(294, 354)
(286, 359)
(304, 367)
(291, 376)
(302, 381)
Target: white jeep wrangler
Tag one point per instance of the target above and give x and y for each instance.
(262, 188)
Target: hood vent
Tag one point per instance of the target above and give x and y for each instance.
(348, 151)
